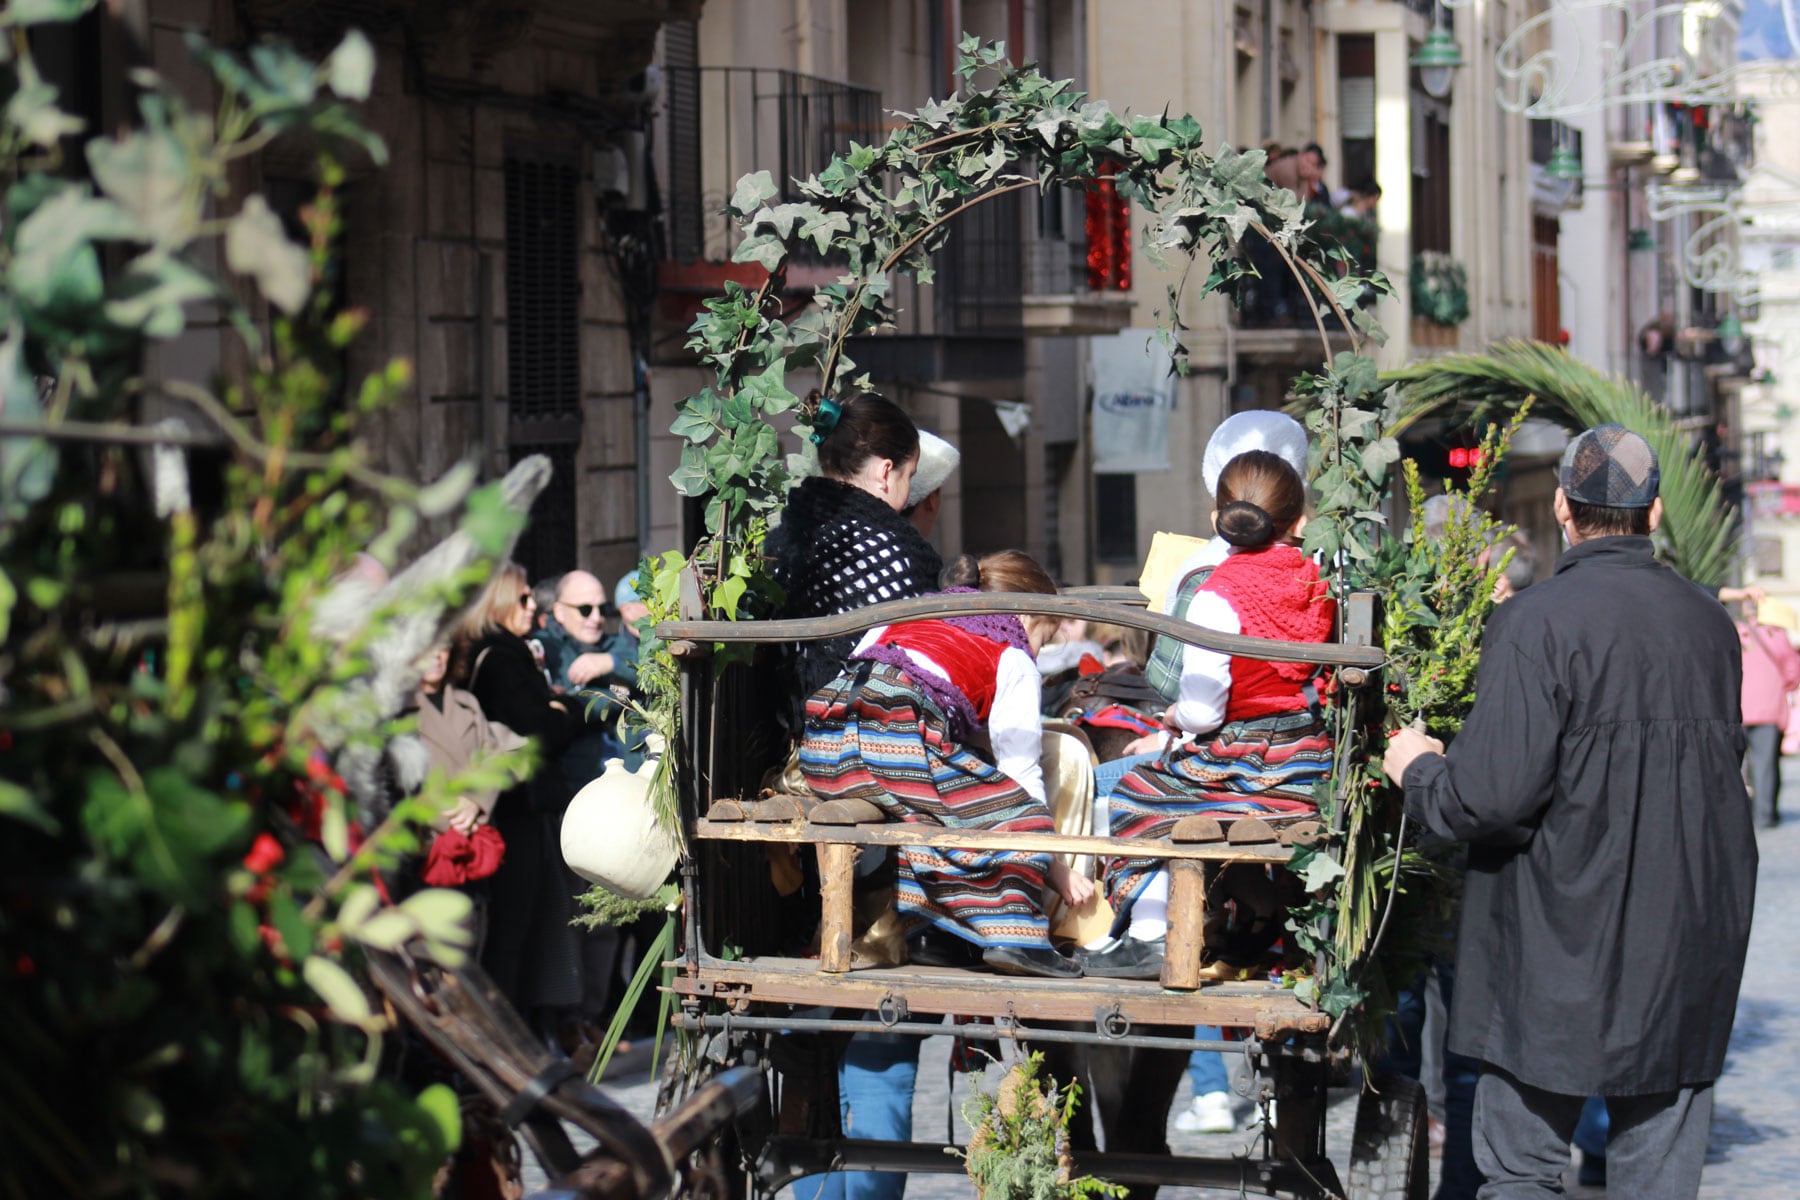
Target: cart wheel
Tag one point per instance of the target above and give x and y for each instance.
(1388, 1155)
(719, 1172)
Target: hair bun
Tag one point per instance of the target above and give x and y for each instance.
(1246, 525)
(962, 571)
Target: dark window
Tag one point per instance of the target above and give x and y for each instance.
(681, 119)
(1431, 178)
(543, 289)
(543, 347)
(1115, 518)
(547, 547)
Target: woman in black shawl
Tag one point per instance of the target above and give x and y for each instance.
(842, 543)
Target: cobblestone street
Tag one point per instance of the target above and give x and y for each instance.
(1753, 1150)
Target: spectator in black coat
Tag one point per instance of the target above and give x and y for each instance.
(532, 952)
(1612, 863)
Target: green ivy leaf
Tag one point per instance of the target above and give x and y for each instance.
(256, 245)
(33, 111)
(20, 805)
(768, 389)
(753, 191)
(153, 294)
(350, 71)
(148, 175)
(337, 989)
(439, 1103)
(1378, 456)
(691, 478)
(698, 417)
(55, 268)
(784, 217)
(765, 249)
(822, 226)
(42, 12)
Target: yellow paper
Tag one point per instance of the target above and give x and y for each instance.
(1167, 552)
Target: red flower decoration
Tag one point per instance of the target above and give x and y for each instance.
(265, 854)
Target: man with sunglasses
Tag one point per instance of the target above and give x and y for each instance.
(582, 658)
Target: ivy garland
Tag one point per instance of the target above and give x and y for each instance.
(884, 209)
(1440, 288)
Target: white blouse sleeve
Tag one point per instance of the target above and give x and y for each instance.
(1015, 724)
(1206, 674)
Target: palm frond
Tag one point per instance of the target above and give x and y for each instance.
(1699, 531)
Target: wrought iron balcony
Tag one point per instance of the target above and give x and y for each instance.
(721, 123)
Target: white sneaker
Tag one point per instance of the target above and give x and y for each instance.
(1210, 1113)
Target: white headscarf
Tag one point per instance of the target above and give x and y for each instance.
(1258, 429)
(937, 458)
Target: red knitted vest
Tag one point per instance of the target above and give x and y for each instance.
(1276, 593)
(970, 660)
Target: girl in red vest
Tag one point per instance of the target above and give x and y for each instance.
(893, 729)
(1258, 742)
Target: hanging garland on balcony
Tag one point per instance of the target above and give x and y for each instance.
(888, 208)
(1440, 288)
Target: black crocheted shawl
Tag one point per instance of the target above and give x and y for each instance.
(839, 549)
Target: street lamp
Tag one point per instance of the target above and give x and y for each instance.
(1564, 164)
(1731, 335)
(1437, 60)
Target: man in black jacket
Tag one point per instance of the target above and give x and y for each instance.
(1612, 860)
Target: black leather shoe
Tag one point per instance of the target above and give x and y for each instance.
(1021, 960)
(1127, 958)
(938, 948)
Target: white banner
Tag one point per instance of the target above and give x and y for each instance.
(1134, 393)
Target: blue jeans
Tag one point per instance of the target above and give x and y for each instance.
(1592, 1129)
(1108, 774)
(1206, 1068)
(875, 1099)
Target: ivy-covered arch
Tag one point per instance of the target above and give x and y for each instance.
(888, 208)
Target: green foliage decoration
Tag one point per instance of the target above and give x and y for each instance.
(887, 209)
(879, 210)
(1700, 531)
(184, 905)
(1379, 905)
(1440, 288)
(1019, 1138)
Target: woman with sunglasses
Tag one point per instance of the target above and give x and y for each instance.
(532, 952)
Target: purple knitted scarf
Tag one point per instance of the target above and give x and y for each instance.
(959, 713)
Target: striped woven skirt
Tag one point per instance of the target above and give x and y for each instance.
(1263, 765)
(872, 734)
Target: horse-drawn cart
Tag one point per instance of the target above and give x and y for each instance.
(746, 998)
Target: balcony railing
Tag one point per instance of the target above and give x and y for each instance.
(724, 122)
(720, 123)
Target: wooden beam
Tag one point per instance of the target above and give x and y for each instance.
(693, 637)
(1266, 1007)
(900, 833)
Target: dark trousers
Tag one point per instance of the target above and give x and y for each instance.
(1459, 1179)
(1763, 761)
(1655, 1150)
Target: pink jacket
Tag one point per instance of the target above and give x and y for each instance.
(1771, 671)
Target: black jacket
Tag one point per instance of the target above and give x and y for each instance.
(1612, 865)
(839, 549)
(506, 679)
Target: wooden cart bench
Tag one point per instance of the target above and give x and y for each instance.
(1196, 849)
